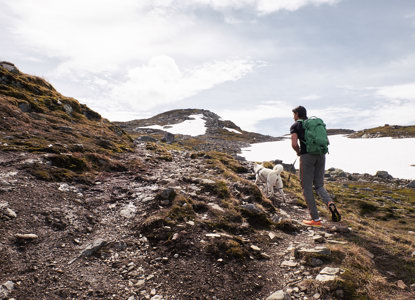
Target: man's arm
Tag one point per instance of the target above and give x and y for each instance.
(294, 143)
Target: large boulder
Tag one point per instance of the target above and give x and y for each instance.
(168, 138)
(25, 107)
(9, 67)
(411, 184)
(146, 138)
(383, 175)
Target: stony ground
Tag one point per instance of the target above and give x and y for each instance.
(77, 241)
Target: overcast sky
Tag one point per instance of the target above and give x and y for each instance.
(351, 62)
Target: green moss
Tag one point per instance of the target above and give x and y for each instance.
(229, 220)
(161, 151)
(287, 226)
(152, 146)
(234, 249)
(268, 165)
(42, 174)
(70, 162)
(257, 219)
(104, 163)
(195, 155)
(47, 173)
(387, 130)
(152, 222)
(254, 192)
(231, 249)
(221, 223)
(218, 188)
(200, 207)
(181, 210)
(229, 162)
(51, 120)
(8, 91)
(366, 207)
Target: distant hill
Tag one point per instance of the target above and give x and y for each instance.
(387, 130)
(339, 131)
(221, 135)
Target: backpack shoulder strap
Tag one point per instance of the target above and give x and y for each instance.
(302, 123)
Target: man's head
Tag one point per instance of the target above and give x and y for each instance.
(300, 113)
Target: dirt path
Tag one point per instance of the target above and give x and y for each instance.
(68, 220)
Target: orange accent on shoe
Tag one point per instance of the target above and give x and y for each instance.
(312, 223)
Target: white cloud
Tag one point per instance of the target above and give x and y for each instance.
(401, 113)
(260, 6)
(397, 112)
(270, 6)
(161, 81)
(401, 91)
(399, 106)
(95, 35)
(310, 97)
(347, 117)
(248, 117)
(103, 35)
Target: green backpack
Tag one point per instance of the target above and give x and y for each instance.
(315, 136)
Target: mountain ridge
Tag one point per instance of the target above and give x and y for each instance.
(217, 136)
(394, 131)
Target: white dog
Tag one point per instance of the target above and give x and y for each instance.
(272, 178)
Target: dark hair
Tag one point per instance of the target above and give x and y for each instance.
(302, 112)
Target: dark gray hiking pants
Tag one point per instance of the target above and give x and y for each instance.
(312, 173)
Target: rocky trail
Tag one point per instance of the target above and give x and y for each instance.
(75, 241)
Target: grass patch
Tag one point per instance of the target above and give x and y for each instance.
(218, 188)
(229, 248)
(161, 151)
(70, 162)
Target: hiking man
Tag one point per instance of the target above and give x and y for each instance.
(311, 167)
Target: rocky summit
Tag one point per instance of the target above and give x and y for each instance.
(90, 209)
(220, 135)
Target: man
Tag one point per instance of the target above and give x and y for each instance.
(311, 171)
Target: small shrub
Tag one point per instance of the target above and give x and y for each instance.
(366, 207)
(257, 219)
(231, 249)
(151, 223)
(287, 226)
(181, 210)
(69, 162)
(103, 163)
(218, 188)
(268, 165)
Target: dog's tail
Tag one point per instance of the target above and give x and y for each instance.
(278, 168)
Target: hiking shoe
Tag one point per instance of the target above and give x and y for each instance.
(312, 223)
(335, 215)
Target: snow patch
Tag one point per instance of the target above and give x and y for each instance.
(351, 155)
(232, 130)
(194, 127)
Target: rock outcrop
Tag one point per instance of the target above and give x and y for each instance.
(221, 135)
